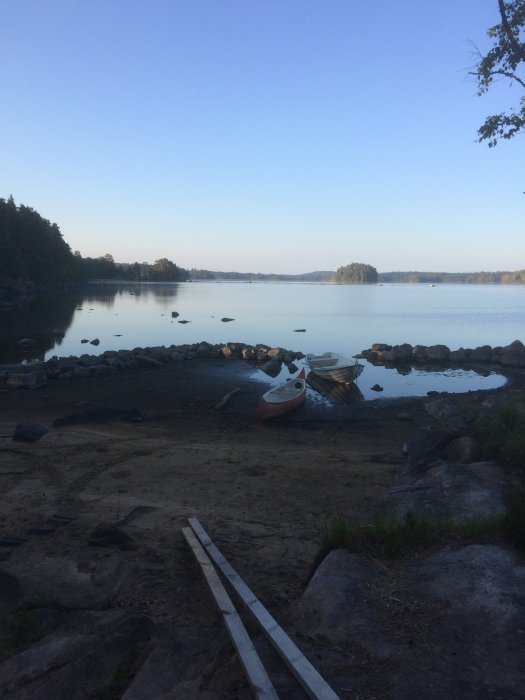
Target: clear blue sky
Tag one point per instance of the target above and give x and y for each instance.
(263, 136)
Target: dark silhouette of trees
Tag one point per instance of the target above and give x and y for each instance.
(32, 249)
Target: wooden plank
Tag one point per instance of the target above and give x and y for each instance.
(259, 680)
(310, 679)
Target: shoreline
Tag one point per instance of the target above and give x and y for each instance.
(264, 493)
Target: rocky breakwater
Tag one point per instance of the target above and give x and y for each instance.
(269, 359)
(512, 355)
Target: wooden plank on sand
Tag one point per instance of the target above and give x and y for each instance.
(259, 680)
(310, 679)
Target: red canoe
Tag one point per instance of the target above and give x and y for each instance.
(283, 398)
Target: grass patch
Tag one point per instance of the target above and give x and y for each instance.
(18, 630)
(501, 436)
(389, 536)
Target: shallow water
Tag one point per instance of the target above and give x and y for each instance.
(306, 317)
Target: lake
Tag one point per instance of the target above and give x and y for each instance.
(306, 317)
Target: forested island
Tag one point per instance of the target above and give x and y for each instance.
(34, 256)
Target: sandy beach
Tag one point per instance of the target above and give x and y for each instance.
(263, 492)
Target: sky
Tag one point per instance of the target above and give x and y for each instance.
(271, 136)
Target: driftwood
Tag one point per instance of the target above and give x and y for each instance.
(226, 398)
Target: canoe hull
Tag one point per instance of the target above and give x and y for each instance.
(282, 399)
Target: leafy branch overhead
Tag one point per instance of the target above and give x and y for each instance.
(506, 60)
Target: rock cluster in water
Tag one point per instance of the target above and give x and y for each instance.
(512, 355)
(112, 361)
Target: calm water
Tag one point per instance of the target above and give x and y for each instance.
(344, 319)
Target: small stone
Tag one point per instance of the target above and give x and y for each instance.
(29, 431)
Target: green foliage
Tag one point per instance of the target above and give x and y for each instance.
(17, 631)
(389, 536)
(501, 436)
(31, 248)
(386, 536)
(356, 273)
(504, 61)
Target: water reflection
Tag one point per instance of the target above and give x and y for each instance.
(44, 321)
(41, 322)
(335, 392)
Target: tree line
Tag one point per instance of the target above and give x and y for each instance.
(34, 253)
(32, 249)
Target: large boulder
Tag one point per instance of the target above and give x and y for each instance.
(78, 660)
(513, 355)
(59, 582)
(448, 414)
(476, 649)
(423, 450)
(438, 353)
(335, 609)
(455, 492)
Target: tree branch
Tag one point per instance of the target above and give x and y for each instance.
(511, 76)
(518, 48)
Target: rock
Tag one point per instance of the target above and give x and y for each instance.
(513, 355)
(275, 354)
(448, 414)
(423, 450)
(460, 355)
(248, 354)
(476, 649)
(376, 387)
(226, 320)
(175, 664)
(335, 609)
(175, 314)
(438, 353)
(183, 321)
(419, 353)
(30, 431)
(71, 664)
(462, 450)
(402, 353)
(448, 491)
(481, 354)
(57, 581)
(109, 536)
(272, 368)
(84, 340)
(204, 349)
(300, 330)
